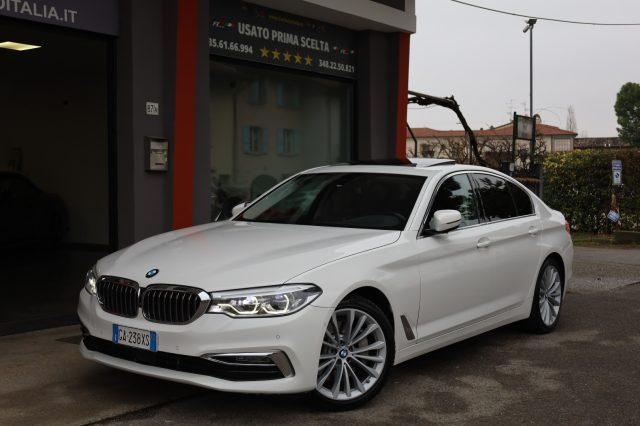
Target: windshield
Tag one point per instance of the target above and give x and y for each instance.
(352, 200)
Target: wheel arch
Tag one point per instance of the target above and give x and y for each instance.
(376, 296)
(558, 258)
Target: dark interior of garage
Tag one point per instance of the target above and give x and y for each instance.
(56, 217)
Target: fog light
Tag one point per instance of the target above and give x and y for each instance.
(258, 360)
(242, 359)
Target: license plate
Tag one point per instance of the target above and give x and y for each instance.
(135, 337)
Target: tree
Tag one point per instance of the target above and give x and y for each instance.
(572, 124)
(628, 111)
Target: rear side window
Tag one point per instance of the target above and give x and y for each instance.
(496, 197)
(521, 199)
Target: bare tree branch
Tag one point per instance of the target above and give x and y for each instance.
(450, 103)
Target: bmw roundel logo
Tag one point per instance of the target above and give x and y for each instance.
(152, 273)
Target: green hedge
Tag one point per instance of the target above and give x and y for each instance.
(578, 183)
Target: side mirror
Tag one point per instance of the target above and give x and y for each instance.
(445, 220)
(237, 209)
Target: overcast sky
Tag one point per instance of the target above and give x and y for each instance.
(482, 58)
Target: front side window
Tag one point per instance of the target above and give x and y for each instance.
(496, 197)
(351, 200)
(456, 193)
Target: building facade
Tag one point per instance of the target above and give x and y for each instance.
(600, 143)
(494, 143)
(143, 116)
(241, 94)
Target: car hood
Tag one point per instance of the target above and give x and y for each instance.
(231, 255)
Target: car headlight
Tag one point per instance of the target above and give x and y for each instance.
(264, 301)
(91, 281)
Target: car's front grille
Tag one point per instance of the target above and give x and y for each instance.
(173, 304)
(164, 303)
(118, 296)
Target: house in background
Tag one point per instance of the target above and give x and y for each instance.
(493, 143)
(600, 143)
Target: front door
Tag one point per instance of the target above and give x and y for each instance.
(456, 269)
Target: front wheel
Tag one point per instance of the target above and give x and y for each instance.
(357, 353)
(547, 299)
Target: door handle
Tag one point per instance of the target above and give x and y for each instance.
(533, 231)
(483, 243)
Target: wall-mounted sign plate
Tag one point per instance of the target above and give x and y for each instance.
(156, 154)
(152, 108)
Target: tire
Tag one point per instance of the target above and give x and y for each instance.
(360, 384)
(547, 299)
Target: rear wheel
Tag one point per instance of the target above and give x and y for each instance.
(547, 300)
(357, 352)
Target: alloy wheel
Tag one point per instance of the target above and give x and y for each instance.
(550, 296)
(353, 355)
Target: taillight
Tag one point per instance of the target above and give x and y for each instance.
(567, 227)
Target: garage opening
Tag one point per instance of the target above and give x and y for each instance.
(56, 211)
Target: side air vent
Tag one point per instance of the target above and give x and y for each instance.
(408, 331)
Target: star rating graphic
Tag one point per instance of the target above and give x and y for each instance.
(286, 56)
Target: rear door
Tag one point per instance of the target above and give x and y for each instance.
(513, 239)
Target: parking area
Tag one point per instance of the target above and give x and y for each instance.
(585, 372)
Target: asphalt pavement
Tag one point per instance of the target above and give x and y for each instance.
(586, 372)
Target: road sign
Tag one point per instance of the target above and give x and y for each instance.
(616, 168)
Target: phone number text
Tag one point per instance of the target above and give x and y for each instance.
(336, 66)
(232, 46)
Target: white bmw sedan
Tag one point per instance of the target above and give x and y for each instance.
(330, 278)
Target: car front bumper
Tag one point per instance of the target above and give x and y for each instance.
(299, 336)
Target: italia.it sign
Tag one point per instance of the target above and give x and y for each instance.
(90, 15)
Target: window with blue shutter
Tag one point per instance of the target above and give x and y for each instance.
(288, 95)
(288, 142)
(246, 139)
(296, 142)
(256, 92)
(255, 140)
(280, 141)
(264, 142)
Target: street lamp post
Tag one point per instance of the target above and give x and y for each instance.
(529, 28)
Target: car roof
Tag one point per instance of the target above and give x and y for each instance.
(431, 170)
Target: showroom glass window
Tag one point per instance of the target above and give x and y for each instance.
(266, 125)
